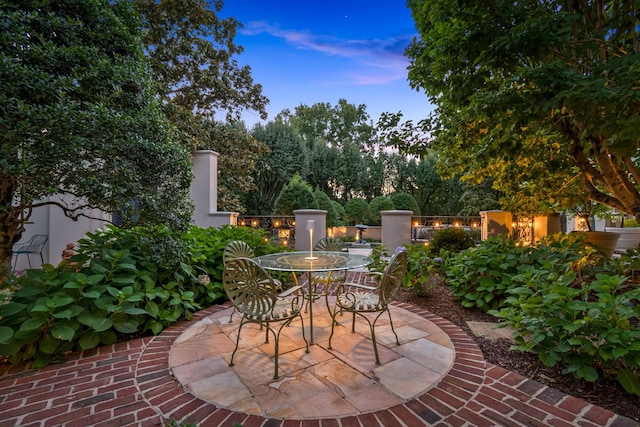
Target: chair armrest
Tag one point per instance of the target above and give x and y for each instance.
(290, 291)
(359, 286)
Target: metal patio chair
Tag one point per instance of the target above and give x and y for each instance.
(239, 249)
(35, 245)
(254, 294)
(356, 298)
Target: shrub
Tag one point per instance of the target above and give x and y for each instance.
(356, 211)
(481, 276)
(588, 327)
(405, 201)
(297, 194)
(376, 205)
(419, 265)
(122, 281)
(451, 239)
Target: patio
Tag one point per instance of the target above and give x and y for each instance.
(177, 375)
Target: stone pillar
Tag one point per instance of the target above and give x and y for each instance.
(303, 216)
(496, 222)
(204, 187)
(396, 229)
(544, 226)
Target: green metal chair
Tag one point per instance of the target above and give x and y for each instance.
(253, 292)
(356, 298)
(35, 245)
(239, 249)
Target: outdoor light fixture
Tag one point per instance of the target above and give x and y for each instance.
(310, 225)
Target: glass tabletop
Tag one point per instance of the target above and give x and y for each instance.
(313, 261)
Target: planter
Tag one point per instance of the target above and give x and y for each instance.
(604, 241)
(629, 237)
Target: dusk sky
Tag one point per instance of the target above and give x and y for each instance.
(308, 52)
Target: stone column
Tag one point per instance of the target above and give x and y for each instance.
(303, 216)
(396, 229)
(496, 222)
(543, 226)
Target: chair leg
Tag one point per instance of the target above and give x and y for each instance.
(242, 322)
(375, 344)
(392, 328)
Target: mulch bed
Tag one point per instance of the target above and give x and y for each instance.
(607, 393)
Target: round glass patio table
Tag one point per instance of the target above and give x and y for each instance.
(310, 262)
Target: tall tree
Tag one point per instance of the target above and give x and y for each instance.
(193, 57)
(80, 127)
(335, 137)
(540, 95)
(287, 156)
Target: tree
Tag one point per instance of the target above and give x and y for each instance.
(356, 211)
(80, 126)
(325, 203)
(191, 51)
(405, 201)
(297, 194)
(275, 169)
(376, 205)
(336, 137)
(540, 95)
(239, 154)
(192, 54)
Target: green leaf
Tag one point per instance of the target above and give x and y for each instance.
(10, 309)
(91, 294)
(6, 333)
(48, 344)
(630, 381)
(101, 325)
(588, 373)
(89, 340)
(128, 327)
(134, 311)
(64, 314)
(63, 332)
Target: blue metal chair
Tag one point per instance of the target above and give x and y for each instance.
(35, 245)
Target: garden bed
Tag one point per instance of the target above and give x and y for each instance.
(606, 393)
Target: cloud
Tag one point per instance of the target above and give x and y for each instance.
(381, 60)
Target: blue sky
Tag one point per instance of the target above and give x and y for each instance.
(305, 52)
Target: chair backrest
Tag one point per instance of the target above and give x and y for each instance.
(236, 249)
(249, 287)
(329, 244)
(392, 277)
(35, 244)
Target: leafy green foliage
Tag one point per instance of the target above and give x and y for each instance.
(452, 239)
(420, 265)
(566, 302)
(121, 282)
(275, 169)
(405, 201)
(80, 120)
(481, 276)
(590, 328)
(334, 213)
(534, 94)
(356, 211)
(376, 205)
(297, 194)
